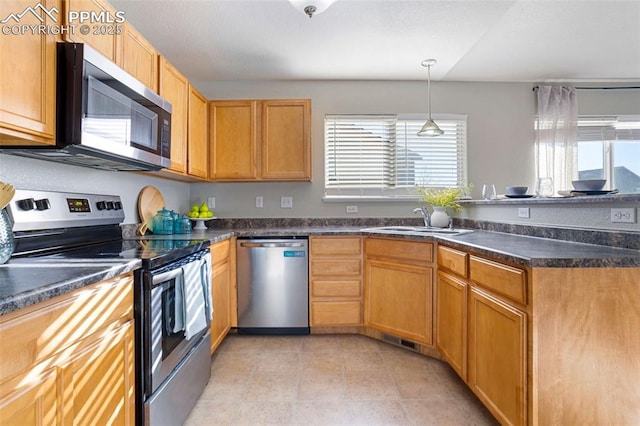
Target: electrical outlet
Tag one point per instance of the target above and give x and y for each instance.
(623, 215)
(259, 202)
(352, 209)
(211, 202)
(286, 202)
(523, 212)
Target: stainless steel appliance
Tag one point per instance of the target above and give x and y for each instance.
(172, 357)
(106, 119)
(273, 286)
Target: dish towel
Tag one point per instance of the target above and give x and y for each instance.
(194, 301)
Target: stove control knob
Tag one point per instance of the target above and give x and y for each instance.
(101, 205)
(109, 205)
(117, 205)
(43, 204)
(27, 204)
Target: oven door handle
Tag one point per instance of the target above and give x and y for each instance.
(166, 276)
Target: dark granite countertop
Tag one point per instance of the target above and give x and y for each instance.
(25, 284)
(519, 249)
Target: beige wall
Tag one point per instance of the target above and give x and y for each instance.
(500, 147)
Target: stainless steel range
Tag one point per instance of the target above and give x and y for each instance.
(172, 292)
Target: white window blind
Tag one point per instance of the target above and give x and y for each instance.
(381, 156)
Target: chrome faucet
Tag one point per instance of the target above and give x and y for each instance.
(425, 215)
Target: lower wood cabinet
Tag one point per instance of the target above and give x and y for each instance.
(398, 297)
(335, 271)
(498, 356)
(482, 329)
(223, 289)
(71, 358)
(451, 320)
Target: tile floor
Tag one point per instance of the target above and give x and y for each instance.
(331, 380)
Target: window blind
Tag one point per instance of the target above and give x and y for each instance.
(382, 156)
(608, 128)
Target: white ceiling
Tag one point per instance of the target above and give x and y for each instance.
(473, 40)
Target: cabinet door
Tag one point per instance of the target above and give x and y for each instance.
(232, 136)
(139, 58)
(108, 44)
(28, 82)
(451, 322)
(286, 140)
(497, 356)
(221, 319)
(97, 382)
(174, 87)
(197, 151)
(30, 399)
(398, 300)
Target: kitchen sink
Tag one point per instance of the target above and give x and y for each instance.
(418, 230)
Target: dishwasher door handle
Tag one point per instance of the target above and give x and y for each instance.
(271, 245)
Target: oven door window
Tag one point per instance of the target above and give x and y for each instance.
(113, 117)
(170, 338)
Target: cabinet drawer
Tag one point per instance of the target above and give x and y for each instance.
(335, 246)
(336, 313)
(220, 252)
(399, 249)
(453, 260)
(504, 280)
(338, 288)
(335, 267)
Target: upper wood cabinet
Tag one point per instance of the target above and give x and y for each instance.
(232, 140)
(139, 58)
(28, 80)
(197, 136)
(286, 140)
(267, 140)
(174, 87)
(105, 38)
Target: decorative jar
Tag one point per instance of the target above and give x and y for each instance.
(439, 217)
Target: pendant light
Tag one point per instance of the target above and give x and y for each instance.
(311, 7)
(430, 128)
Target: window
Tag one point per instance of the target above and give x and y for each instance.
(381, 156)
(609, 148)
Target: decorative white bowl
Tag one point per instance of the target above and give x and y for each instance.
(516, 190)
(589, 184)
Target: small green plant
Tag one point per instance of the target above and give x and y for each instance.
(443, 197)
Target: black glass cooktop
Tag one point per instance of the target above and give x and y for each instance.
(153, 252)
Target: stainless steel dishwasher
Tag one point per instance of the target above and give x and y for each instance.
(273, 286)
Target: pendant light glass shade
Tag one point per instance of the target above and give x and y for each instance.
(430, 128)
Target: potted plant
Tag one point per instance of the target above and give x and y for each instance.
(440, 199)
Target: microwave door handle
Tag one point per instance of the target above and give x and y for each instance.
(166, 276)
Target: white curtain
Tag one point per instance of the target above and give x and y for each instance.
(556, 135)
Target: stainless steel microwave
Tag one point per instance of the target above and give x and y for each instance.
(105, 118)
